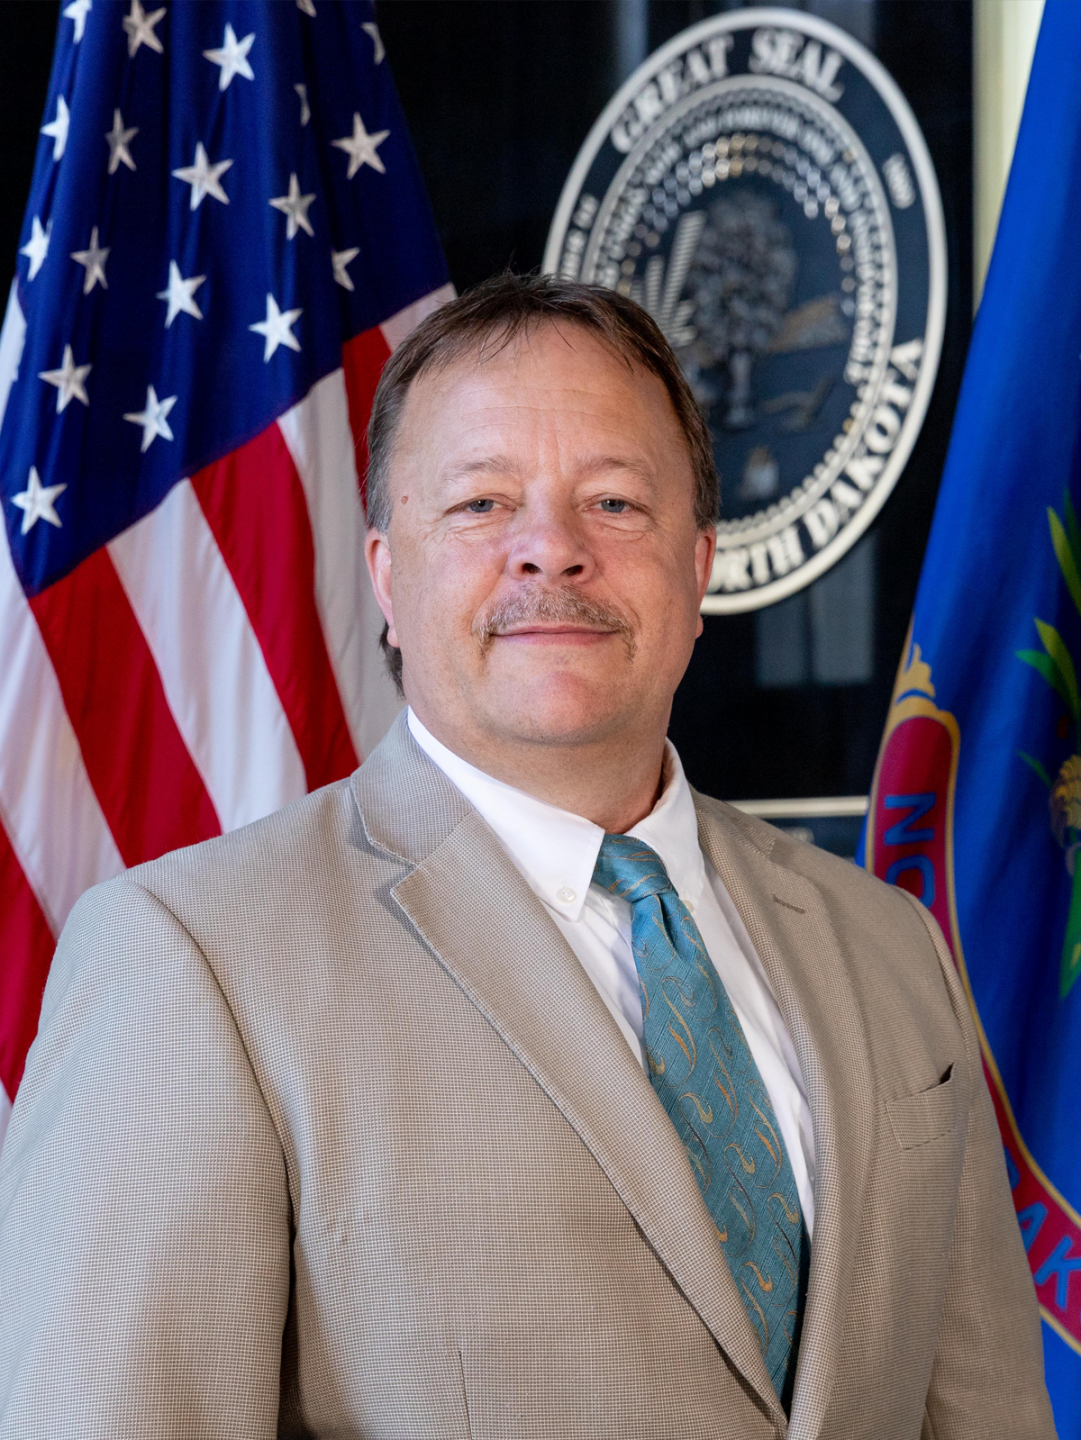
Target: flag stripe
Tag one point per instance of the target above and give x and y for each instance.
(56, 843)
(321, 443)
(363, 359)
(12, 339)
(255, 505)
(151, 793)
(400, 324)
(26, 947)
(56, 825)
(211, 666)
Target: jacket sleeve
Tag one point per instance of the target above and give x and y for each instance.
(144, 1209)
(987, 1377)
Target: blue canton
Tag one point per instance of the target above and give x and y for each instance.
(224, 193)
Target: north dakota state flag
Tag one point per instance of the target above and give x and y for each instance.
(976, 803)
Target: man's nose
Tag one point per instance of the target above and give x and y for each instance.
(550, 544)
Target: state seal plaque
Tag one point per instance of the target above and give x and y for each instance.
(761, 186)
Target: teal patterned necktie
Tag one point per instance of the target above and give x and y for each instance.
(706, 1078)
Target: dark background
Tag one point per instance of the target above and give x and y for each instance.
(500, 94)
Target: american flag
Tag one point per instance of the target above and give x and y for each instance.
(226, 236)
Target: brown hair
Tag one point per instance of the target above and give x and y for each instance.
(488, 318)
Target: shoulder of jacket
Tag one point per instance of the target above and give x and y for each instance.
(301, 832)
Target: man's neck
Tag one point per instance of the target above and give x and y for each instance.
(615, 784)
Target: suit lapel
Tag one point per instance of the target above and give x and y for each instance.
(787, 920)
(494, 937)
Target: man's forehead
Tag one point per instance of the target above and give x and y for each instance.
(487, 430)
(532, 378)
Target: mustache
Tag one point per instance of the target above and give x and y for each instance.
(563, 606)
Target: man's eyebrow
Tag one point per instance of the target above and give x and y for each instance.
(600, 463)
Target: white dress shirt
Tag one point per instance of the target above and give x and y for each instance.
(556, 853)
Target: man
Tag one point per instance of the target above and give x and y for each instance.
(509, 1088)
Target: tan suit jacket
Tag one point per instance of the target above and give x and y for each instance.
(327, 1133)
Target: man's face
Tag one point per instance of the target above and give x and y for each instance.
(542, 570)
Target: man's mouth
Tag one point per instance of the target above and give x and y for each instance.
(556, 634)
(557, 627)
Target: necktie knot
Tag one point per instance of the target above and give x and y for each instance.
(630, 869)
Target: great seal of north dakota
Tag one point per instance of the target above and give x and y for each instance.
(762, 187)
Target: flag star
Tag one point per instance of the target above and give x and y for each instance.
(154, 418)
(36, 501)
(57, 129)
(119, 139)
(340, 259)
(68, 381)
(37, 247)
(295, 206)
(277, 328)
(180, 294)
(362, 147)
(305, 108)
(94, 259)
(204, 178)
(77, 11)
(232, 57)
(308, 7)
(377, 40)
(140, 28)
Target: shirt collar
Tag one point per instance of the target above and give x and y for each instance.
(671, 828)
(555, 850)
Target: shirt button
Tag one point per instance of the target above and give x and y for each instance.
(566, 894)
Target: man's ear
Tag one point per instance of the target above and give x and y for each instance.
(377, 555)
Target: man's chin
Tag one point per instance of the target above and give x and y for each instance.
(556, 709)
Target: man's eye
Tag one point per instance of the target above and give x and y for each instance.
(481, 507)
(613, 507)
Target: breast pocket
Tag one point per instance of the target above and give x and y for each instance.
(918, 1119)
